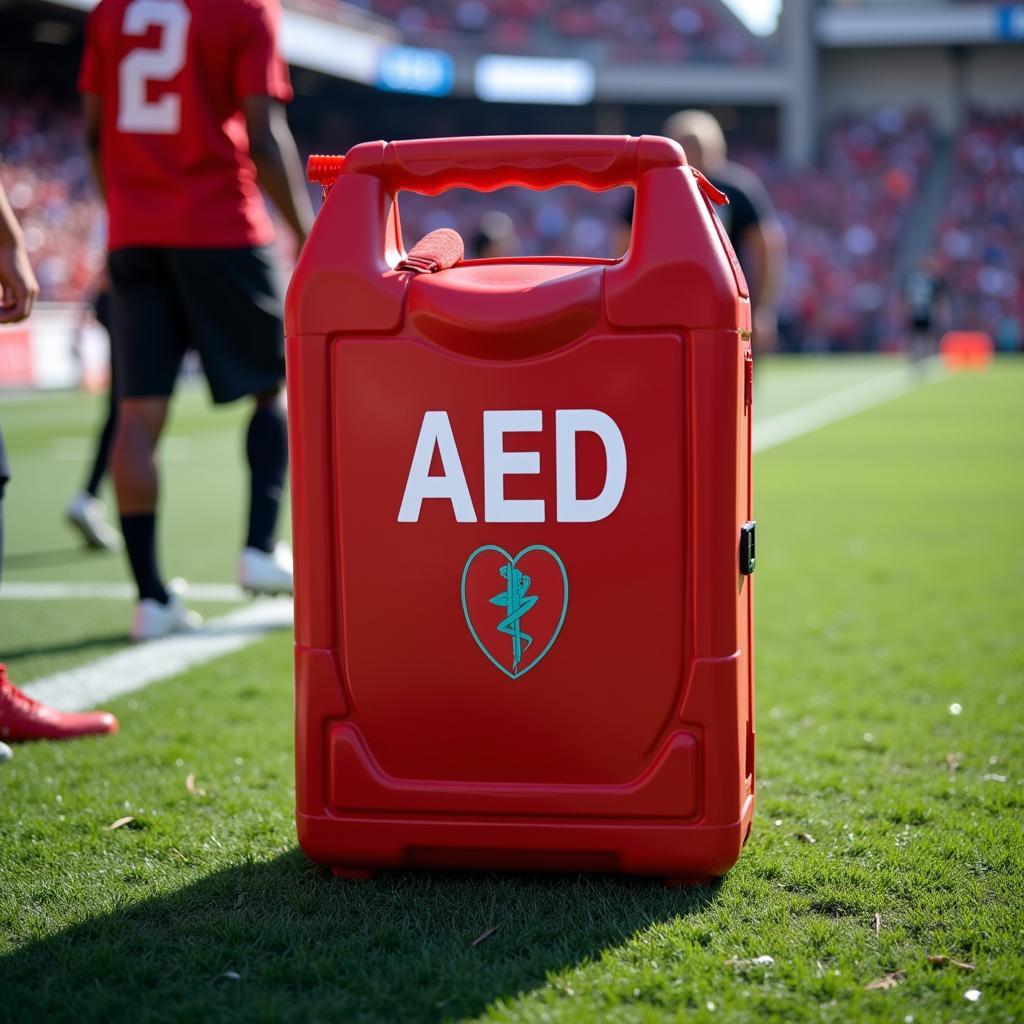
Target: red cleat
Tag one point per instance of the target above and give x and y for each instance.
(22, 718)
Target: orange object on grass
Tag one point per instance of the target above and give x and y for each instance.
(966, 350)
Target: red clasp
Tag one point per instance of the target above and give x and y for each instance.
(716, 195)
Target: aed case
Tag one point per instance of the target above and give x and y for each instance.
(523, 639)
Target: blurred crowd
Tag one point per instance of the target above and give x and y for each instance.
(624, 30)
(981, 243)
(45, 172)
(845, 220)
(560, 221)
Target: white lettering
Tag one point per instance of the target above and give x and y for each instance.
(569, 423)
(499, 463)
(140, 67)
(436, 431)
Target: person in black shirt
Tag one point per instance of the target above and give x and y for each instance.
(926, 299)
(749, 219)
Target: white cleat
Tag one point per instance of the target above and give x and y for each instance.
(5, 753)
(153, 620)
(87, 515)
(261, 572)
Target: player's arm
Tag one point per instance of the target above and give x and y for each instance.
(764, 244)
(277, 162)
(18, 285)
(91, 117)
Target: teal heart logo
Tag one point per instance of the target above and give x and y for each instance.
(515, 605)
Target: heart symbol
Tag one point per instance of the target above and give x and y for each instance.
(517, 594)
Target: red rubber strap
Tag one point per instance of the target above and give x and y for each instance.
(439, 250)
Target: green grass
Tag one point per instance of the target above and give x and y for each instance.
(889, 571)
(202, 509)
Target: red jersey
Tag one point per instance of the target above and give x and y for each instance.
(171, 75)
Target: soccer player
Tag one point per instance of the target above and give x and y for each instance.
(22, 718)
(749, 219)
(183, 103)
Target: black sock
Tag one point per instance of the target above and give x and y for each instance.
(99, 466)
(3, 483)
(266, 446)
(140, 540)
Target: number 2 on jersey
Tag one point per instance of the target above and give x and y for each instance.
(140, 67)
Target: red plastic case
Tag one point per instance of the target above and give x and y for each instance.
(519, 488)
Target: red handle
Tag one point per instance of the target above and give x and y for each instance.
(489, 162)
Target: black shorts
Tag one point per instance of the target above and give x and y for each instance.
(224, 303)
(5, 470)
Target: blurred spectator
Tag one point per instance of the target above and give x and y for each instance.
(669, 31)
(980, 244)
(497, 237)
(926, 298)
(748, 218)
(46, 175)
(565, 221)
(844, 219)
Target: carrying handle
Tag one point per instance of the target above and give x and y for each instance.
(486, 163)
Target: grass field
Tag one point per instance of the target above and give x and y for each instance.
(890, 676)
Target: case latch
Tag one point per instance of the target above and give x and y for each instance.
(747, 552)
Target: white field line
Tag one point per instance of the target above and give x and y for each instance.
(840, 405)
(137, 667)
(132, 669)
(215, 593)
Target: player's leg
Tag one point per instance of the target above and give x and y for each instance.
(5, 751)
(101, 461)
(234, 303)
(266, 450)
(920, 330)
(22, 718)
(106, 438)
(136, 483)
(86, 512)
(149, 343)
(266, 566)
(5, 475)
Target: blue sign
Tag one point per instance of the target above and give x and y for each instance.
(411, 69)
(1011, 22)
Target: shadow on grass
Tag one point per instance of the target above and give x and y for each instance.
(79, 646)
(285, 940)
(52, 557)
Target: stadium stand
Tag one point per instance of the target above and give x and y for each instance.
(980, 247)
(644, 31)
(46, 175)
(844, 219)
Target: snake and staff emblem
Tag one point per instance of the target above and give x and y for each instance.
(546, 573)
(516, 604)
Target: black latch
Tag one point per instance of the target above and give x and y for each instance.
(747, 559)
